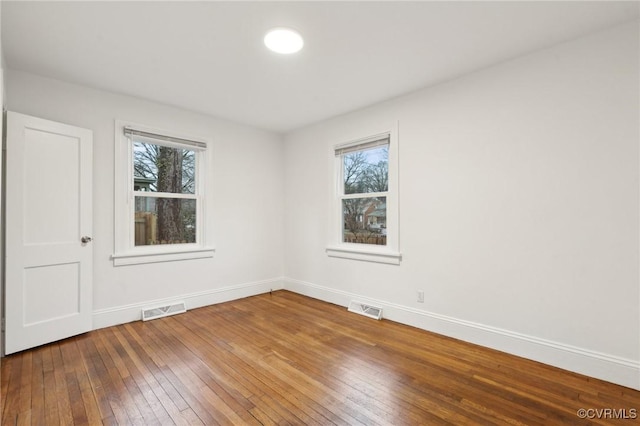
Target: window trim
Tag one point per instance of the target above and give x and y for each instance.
(390, 253)
(125, 251)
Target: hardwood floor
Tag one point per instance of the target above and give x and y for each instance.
(288, 359)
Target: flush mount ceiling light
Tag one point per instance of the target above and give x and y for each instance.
(283, 40)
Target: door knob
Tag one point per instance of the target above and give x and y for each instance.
(85, 240)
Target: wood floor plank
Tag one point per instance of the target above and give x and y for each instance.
(242, 369)
(220, 405)
(62, 397)
(25, 383)
(89, 398)
(261, 354)
(127, 400)
(286, 359)
(170, 368)
(12, 390)
(320, 364)
(111, 409)
(37, 387)
(77, 410)
(239, 402)
(152, 408)
(149, 377)
(133, 402)
(6, 370)
(365, 390)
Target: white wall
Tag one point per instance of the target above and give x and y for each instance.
(247, 187)
(519, 208)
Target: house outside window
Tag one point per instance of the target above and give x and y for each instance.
(160, 196)
(365, 178)
(365, 225)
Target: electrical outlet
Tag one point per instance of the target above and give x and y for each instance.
(420, 296)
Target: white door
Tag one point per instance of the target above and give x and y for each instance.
(48, 257)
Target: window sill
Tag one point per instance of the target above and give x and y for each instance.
(133, 258)
(357, 253)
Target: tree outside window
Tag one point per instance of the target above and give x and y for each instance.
(165, 194)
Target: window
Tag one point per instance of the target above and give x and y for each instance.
(160, 196)
(164, 193)
(365, 186)
(365, 203)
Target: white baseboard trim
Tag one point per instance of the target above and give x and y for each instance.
(602, 366)
(123, 314)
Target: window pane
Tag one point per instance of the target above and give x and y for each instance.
(164, 221)
(159, 168)
(366, 170)
(365, 220)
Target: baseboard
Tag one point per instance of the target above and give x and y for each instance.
(606, 367)
(123, 314)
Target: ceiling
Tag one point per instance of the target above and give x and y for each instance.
(209, 57)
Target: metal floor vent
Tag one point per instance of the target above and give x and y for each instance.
(163, 311)
(366, 310)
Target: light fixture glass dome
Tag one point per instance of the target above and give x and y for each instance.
(283, 40)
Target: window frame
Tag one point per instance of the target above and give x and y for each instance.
(126, 252)
(389, 253)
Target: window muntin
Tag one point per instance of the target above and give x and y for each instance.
(364, 171)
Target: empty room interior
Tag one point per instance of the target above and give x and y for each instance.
(349, 213)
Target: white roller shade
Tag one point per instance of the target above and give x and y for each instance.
(158, 139)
